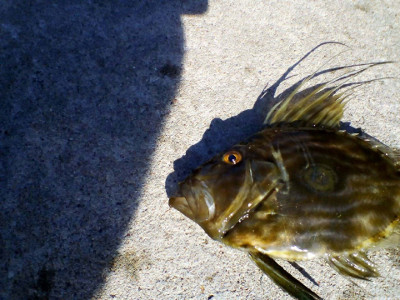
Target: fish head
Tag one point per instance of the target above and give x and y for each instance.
(219, 192)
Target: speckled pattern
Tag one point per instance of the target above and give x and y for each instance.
(99, 100)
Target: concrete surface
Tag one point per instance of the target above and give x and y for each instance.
(100, 99)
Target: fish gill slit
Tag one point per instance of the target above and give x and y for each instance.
(209, 200)
(224, 220)
(254, 207)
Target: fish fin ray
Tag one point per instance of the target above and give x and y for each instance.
(320, 105)
(356, 265)
(281, 277)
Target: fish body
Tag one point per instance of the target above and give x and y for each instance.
(301, 188)
(330, 193)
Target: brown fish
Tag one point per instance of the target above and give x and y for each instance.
(299, 189)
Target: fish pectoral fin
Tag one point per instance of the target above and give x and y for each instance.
(281, 277)
(356, 265)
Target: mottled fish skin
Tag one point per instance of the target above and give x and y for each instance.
(299, 189)
(339, 195)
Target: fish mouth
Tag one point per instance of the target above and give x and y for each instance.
(181, 204)
(194, 201)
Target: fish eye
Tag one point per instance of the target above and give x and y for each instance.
(232, 157)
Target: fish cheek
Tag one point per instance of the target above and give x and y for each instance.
(226, 186)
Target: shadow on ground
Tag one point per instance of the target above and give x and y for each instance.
(84, 89)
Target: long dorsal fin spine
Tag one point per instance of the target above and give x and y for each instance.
(318, 107)
(319, 116)
(277, 108)
(298, 113)
(280, 107)
(311, 104)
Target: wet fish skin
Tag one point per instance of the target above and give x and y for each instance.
(301, 188)
(348, 204)
(355, 201)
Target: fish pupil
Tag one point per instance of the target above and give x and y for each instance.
(232, 158)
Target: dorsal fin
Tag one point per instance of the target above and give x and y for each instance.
(325, 109)
(322, 105)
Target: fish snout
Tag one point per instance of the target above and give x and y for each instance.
(180, 203)
(194, 201)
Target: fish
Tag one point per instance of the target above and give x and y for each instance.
(301, 188)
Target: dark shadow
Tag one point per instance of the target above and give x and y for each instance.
(303, 272)
(84, 89)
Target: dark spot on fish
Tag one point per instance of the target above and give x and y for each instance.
(319, 177)
(170, 70)
(210, 297)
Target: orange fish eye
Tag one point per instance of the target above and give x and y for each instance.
(232, 157)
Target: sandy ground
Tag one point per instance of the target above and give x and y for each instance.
(101, 101)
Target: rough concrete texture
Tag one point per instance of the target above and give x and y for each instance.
(98, 101)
